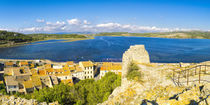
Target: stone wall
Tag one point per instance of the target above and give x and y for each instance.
(135, 53)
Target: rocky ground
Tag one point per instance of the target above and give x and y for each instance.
(11, 100)
(157, 85)
(158, 89)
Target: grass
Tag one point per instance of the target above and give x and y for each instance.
(134, 73)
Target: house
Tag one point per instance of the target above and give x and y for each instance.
(88, 69)
(110, 67)
(11, 84)
(78, 73)
(21, 71)
(54, 80)
(8, 64)
(57, 66)
(34, 71)
(37, 61)
(63, 74)
(36, 82)
(42, 72)
(50, 71)
(9, 71)
(23, 63)
(68, 82)
(48, 66)
(70, 63)
(47, 81)
(28, 86)
(31, 65)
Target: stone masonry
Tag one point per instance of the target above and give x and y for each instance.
(135, 53)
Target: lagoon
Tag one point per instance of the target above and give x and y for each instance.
(106, 48)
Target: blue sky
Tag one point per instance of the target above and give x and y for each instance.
(29, 16)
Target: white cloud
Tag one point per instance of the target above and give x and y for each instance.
(56, 23)
(76, 25)
(108, 25)
(86, 22)
(40, 20)
(74, 22)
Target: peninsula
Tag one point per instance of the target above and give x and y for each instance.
(10, 39)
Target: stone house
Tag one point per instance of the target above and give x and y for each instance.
(11, 84)
(54, 80)
(47, 81)
(78, 73)
(8, 64)
(23, 63)
(70, 64)
(57, 66)
(110, 67)
(88, 69)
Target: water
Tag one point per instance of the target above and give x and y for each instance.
(111, 49)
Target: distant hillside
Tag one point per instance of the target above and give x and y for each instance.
(55, 36)
(13, 37)
(8, 39)
(179, 34)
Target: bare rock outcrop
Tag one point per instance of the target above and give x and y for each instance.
(157, 87)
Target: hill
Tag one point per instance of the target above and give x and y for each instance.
(178, 34)
(9, 39)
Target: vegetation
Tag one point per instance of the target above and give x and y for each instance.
(85, 92)
(13, 37)
(2, 89)
(8, 39)
(177, 34)
(134, 73)
(55, 36)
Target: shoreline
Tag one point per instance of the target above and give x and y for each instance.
(148, 37)
(28, 43)
(47, 60)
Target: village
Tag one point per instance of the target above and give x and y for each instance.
(25, 76)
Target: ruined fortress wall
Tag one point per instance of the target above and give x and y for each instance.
(135, 53)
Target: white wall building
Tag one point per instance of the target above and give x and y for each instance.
(88, 69)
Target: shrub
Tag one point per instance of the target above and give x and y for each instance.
(85, 92)
(2, 89)
(134, 73)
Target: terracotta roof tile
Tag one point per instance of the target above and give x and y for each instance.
(87, 63)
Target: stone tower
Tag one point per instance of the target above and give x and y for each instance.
(136, 53)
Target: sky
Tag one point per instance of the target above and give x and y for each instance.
(54, 16)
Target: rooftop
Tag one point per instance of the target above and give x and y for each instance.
(70, 63)
(10, 80)
(9, 63)
(87, 63)
(111, 66)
